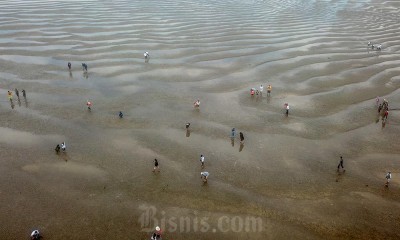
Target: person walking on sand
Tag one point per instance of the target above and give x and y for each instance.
(269, 89)
(388, 177)
(146, 55)
(340, 164)
(156, 234)
(89, 105)
(187, 126)
(57, 149)
(35, 235)
(202, 161)
(204, 176)
(156, 167)
(252, 92)
(69, 66)
(121, 115)
(84, 67)
(380, 108)
(241, 138)
(385, 115)
(233, 133)
(377, 101)
(197, 103)
(9, 93)
(63, 146)
(23, 93)
(287, 109)
(261, 89)
(17, 93)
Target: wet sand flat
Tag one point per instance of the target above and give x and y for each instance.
(313, 53)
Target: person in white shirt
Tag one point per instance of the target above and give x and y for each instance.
(202, 161)
(35, 235)
(146, 55)
(287, 108)
(261, 89)
(63, 146)
(204, 176)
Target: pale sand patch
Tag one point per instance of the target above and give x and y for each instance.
(26, 139)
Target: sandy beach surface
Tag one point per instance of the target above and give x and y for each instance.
(282, 183)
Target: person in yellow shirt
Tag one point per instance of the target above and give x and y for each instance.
(9, 95)
(269, 89)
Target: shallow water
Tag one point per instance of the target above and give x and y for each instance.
(313, 53)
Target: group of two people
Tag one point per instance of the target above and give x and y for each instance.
(61, 146)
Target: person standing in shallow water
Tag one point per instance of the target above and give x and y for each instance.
(241, 138)
(388, 177)
(156, 167)
(202, 161)
(340, 164)
(197, 103)
(89, 105)
(57, 149)
(204, 176)
(287, 109)
(63, 146)
(69, 66)
(269, 89)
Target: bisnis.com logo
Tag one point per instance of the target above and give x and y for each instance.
(150, 218)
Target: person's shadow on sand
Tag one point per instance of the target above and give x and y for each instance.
(241, 147)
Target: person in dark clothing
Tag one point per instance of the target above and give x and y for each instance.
(23, 93)
(187, 125)
(156, 167)
(241, 138)
(69, 65)
(121, 115)
(84, 67)
(58, 148)
(17, 93)
(340, 164)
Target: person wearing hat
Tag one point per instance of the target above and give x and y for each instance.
(156, 234)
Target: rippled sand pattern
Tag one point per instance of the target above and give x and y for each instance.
(314, 54)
